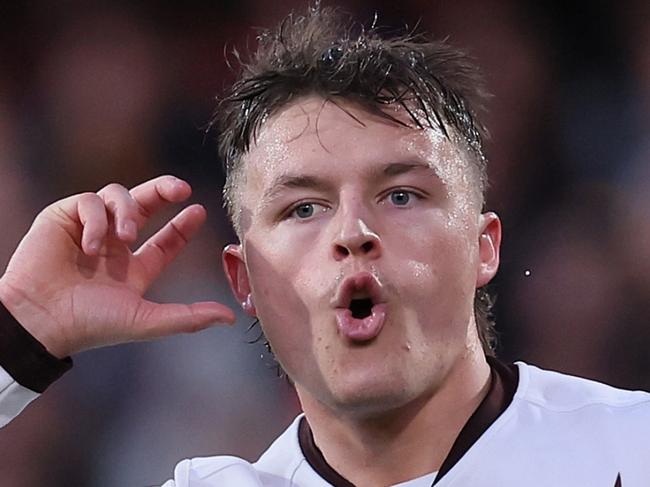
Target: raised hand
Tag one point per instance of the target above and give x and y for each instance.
(74, 282)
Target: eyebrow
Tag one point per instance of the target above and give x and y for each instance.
(289, 181)
(303, 181)
(397, 168)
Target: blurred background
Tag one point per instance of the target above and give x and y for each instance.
(92, 92)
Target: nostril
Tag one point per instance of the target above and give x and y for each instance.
(364, 246)
(367, 246)
(343, 251)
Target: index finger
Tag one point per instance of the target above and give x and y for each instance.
(151, 196)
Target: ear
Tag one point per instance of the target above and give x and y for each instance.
(234, 266)
(489, 244)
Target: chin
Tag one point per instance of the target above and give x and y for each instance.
(371, 398)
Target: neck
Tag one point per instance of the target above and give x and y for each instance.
(404, 443)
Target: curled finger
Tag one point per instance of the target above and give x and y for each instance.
(93, 218)
(123, 209)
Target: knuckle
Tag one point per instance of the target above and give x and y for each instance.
(89, 202)
(158, 249)
(88, 197)
(111, 190)
(178, 232)
(114, 187)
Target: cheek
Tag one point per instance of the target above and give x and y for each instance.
(436, 270)
(288, 288)
(291, 262)
(435, 238)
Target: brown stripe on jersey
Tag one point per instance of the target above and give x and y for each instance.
(503, 384)
(316, 459)
(504, 381)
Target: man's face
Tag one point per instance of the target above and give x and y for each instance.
(362, 247)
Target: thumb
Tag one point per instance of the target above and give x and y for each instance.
(158, 320)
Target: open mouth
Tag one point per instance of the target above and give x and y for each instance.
(359, 293)
(361, 308)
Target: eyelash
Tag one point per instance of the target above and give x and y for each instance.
(290, 212)
(410, 191)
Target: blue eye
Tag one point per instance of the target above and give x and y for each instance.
(305, 210)
(400, 198)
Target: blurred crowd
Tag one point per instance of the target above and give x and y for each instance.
(92, 92)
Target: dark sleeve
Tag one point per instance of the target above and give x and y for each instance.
(25, 358)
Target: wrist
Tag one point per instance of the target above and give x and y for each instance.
(32, 317)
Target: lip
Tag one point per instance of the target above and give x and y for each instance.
(360, 329)
(362, 281)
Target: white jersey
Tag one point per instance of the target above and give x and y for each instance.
(556, 430)
(283, 464)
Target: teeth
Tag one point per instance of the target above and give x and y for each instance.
(360, 295)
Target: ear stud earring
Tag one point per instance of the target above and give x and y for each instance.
(248, 303)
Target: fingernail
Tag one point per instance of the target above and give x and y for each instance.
(176, 183)
(129, 228)
(93, 246)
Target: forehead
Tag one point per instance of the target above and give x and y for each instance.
(311, 130)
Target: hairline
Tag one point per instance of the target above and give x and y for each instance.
(236, 173)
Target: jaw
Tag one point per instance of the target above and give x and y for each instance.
(388, 405)
(399, 368)
(362, 380)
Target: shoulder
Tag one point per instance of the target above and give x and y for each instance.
(580, 425)
(277, 465)
(284, 457)
(563, 430)
(583, 412)
(559, 392)
(214, 471)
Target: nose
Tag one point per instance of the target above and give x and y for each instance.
(356, 239)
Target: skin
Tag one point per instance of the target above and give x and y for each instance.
(75, 283)
(395, 404)
(392, 201)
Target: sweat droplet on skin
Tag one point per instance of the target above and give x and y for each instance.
(233, 194)
(420, 270)
(271, 151)
(454, 169)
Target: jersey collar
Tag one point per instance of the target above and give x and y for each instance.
(504, 379)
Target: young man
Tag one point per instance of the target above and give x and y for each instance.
(355, 184)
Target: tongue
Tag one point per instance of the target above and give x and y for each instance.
(361, 329)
